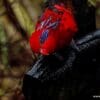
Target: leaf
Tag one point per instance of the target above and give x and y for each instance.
(2, 92)
(92, 2)
(23, 17)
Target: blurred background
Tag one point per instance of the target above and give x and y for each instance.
(17, 22)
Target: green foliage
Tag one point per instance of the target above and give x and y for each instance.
(3, 47)
(23, 17)
(28, 25)
(92, 2)
(2, 92)
(98, 11)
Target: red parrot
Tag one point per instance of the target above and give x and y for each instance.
(54, 30)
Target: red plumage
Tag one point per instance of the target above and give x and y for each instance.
(54, 30)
